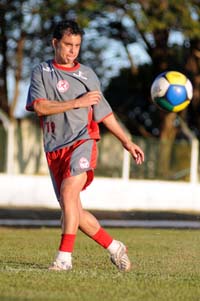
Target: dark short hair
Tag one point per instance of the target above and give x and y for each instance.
(67, 26)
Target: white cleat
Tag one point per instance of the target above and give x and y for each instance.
(58, 265)
(120, 258)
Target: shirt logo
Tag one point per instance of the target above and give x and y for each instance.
(84, 163)
(62, 86)
(81, 75)
(48, 69)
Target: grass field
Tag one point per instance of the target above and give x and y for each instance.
(166, 266)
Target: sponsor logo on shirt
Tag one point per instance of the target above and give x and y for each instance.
(84, 163)
(48, 69)
(80, 74)
(62, 86)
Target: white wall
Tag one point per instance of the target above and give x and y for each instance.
(103, 194)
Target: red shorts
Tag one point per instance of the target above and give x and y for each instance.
(71, 161)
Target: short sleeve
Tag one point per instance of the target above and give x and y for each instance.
(36, 89)
(103, 109)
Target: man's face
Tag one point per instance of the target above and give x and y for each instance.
(67, 49)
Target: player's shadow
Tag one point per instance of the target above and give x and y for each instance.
(13, 265)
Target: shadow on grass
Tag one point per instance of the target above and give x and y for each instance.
(22, 266)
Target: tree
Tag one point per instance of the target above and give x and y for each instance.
(11, 54)
(153, 25)
(23, 27)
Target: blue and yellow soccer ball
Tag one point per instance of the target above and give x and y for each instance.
(171, 91)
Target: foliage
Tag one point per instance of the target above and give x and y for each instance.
(172, 43)
(165, 267)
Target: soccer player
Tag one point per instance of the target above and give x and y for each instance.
(66, 95)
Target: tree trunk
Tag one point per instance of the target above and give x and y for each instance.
(167, 137)
(9, 126)
(193, 70)
(3, 67)
(134, 69)
(18, 73)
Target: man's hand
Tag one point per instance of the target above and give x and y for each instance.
(135, 151)
(114, 127)
(88, 99)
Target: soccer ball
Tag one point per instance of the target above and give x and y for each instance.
(171, 91)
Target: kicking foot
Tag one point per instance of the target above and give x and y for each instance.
(120, 258)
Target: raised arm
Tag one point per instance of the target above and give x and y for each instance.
(114, 127)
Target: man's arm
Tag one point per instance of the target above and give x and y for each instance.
(48, 107)
(114, 127)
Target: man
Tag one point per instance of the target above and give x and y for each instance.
(66, 95)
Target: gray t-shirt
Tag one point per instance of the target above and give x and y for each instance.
(53, 82)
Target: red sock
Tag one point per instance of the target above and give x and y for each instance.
(102, 238)
(67, 243)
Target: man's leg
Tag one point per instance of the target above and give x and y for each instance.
(91, 227)
(69, 201)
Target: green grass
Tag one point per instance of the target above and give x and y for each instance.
(166, 266)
